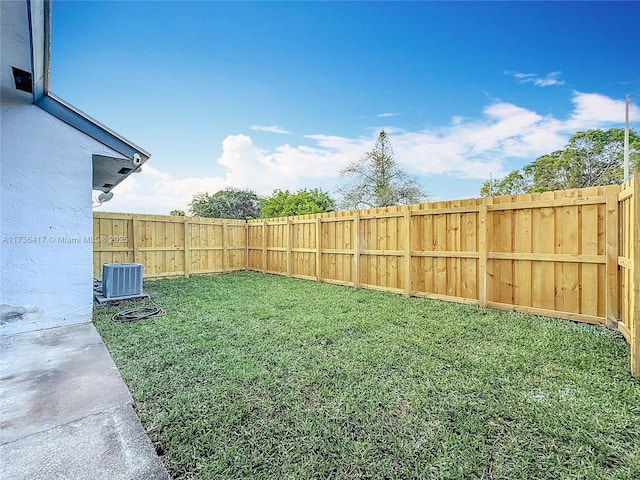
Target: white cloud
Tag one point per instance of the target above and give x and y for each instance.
(522, 76)
(270, 128)
(251, 167)
(505, 136)
(154, 191)
(548, 80)
(384, 115)
(593, 110)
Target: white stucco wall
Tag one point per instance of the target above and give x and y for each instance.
(45, 220)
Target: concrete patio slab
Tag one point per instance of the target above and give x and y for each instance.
(65, 411)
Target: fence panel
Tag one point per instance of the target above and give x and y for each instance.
(112, 241)
(303, 248)
(336, 250)
(255, 246)
(628, 261)
(444, 250)
(548, 253)
(169, 246)
(235, 246)
(204, 242)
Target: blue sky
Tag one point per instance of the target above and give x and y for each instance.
(267, 95)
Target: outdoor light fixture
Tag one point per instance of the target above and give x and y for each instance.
(105, 197)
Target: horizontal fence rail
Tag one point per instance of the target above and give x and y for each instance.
(568, 254)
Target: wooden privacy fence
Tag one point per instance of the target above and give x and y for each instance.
(169, 246)
(567, 254)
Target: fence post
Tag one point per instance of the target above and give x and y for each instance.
(224, 247)
(289, 239)
(134, 238)
(407, 252)
(187, 242)
(635, 276)
(318, 251)
(612, 231)
(246, 245)
(482, 253)
(356, 250)
(264, 246)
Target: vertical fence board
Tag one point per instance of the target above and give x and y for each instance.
(612, 312)
(570, 216)
(545, 243)
(522, 269)
(265, 237)
(470, 244)
(406, 243)
(483, 240)
(187, 244)
(440, 280)
(634, 287)
(319, 248)
(356, 250)
(453, 263)
(589, 246)
(289, 246)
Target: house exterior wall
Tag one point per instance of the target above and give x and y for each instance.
(45, 219)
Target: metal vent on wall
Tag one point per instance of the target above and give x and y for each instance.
(121, 280)
(22, 80)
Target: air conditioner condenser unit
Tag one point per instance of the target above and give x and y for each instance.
(121, 280)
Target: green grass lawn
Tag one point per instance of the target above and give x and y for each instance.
(258, 376)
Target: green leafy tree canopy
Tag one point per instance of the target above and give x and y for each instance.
(591, 158)
(177, 213)
(228, 203)
(376, 180)
(303, 202)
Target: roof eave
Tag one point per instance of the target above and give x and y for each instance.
(40, 33)
(69, 114)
